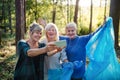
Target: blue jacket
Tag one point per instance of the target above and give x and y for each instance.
(76, 51)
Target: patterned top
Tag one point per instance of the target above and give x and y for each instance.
(29, 68)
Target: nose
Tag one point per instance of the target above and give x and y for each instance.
(70, 32)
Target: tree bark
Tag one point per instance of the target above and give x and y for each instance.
(91, 13)
(20, 19)
(76, 11)
(115, 14)
(54, 11)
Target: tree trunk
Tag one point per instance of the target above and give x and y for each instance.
(91, 9)
(76, 11)
(25, 17)
(115, 14)
(20, 19)
(35, 12)
(54, 11)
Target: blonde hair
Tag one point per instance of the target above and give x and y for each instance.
(71, 24)
(48, 26)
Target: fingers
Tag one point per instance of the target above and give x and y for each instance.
(51, 44)
(54, 48)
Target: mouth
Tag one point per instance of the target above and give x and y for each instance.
(51, 35)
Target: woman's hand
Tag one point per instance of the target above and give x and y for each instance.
(53, 49)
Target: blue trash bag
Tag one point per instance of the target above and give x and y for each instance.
(61, 74)
(103, 62)
(77, 64)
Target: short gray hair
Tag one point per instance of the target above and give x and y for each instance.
(71, 24)
(35, 27)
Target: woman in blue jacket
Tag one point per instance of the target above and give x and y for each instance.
(75, 50)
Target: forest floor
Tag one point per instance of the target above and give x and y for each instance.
(8, 60)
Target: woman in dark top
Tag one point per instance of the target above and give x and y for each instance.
(30, 64)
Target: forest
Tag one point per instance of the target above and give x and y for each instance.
(17, 15)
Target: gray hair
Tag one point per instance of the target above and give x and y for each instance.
(71, 24)
(35, 27)
(49, 25)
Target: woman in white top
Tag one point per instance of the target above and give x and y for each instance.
(54, 61)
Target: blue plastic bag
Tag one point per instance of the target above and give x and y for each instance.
(61, 74)
(103, 64)
(77, 64)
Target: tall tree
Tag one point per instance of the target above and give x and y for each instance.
(91, 13)
(115, 14)
(54, 11)
(25, 16)
(35, 12)
(20, 19)
(76, 11)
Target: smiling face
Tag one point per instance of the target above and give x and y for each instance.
(71, 30)
(51, 32)
(35, 32)
(36, 35)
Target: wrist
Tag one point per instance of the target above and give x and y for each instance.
(46, 49)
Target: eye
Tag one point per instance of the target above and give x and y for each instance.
(40, 33)
(53, 30)
(68, 30)
(72, 30)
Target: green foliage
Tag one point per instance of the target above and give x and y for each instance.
(7, 62)
(83, 31)
(7, 68)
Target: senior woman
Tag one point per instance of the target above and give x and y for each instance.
(75, 49)
(53, 62)
(30, 64)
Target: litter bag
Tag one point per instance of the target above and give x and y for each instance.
(61, 74)
(103, 62)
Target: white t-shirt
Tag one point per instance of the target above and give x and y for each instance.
(54, 61)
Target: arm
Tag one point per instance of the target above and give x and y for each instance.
(58, 49)
(63, 56)
(38, 51)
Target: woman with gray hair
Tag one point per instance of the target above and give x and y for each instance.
(75, 49)
(30, 64)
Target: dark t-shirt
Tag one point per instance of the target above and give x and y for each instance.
(29, 68)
